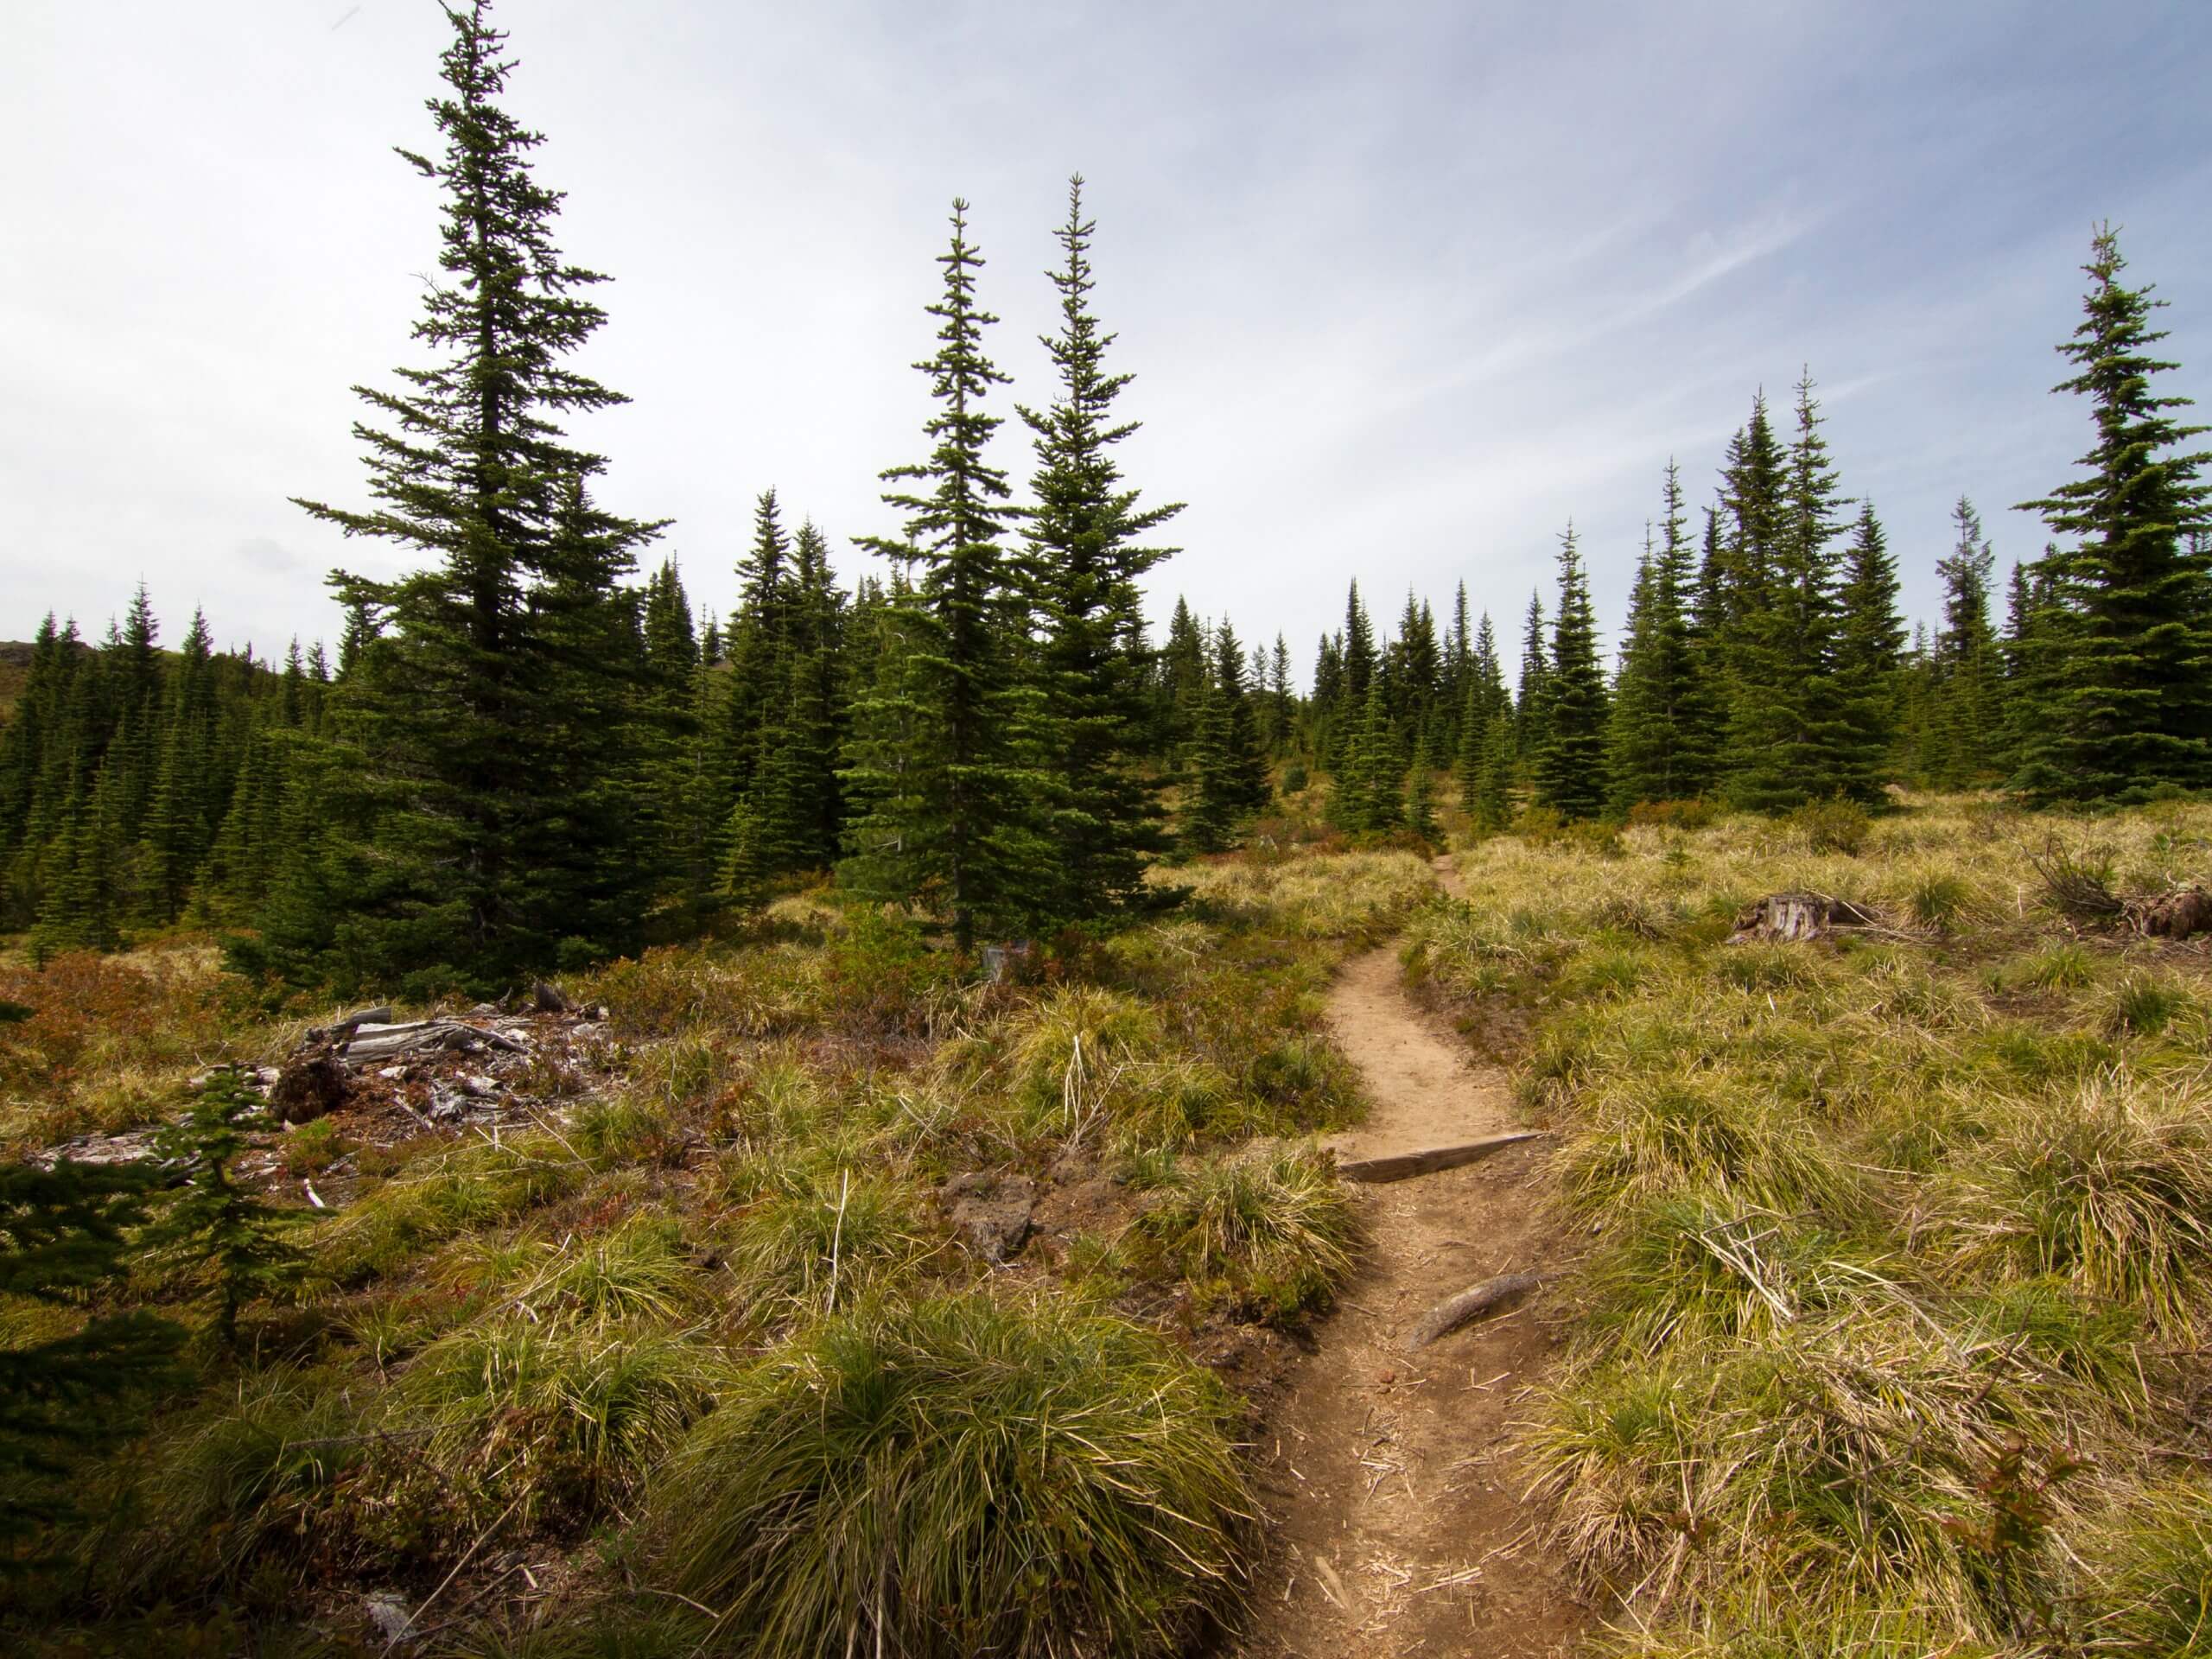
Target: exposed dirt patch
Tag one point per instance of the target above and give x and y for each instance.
(1390, 1476)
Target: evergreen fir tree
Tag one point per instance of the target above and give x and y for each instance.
(1964, 662)
(1182, 683)
(63, 1231)
(1786, 724)
(2131, 708)
(946, 785)
(214, 1224)
(1357, 667)
(1532, 701)
(1087, 540)
(1493, 803)
(1663, 743)
(496, 732)
(1570, 770)
(1283, 701)
(1370, 799)
(1229, 765)
(1870, 640)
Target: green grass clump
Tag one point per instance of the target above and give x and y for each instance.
(2057, 968)
(1848, 1456)
(438, 1195)
(640, 1270)
(1939, 902)
(1682, 1133)
(1698, 1269)
(1272, 1231)
(957, 1476)
(246, 1477)
(557, 1423)
(824, 1239)
(1073, 1052)
(2143, 1005)
(2102, 1187)
(2152, 1577)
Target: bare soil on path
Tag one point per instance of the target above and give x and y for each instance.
(1396, 1507)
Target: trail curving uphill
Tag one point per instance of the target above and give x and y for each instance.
(1396, 1510)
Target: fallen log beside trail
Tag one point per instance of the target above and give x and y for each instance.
(1400, 1166)
(1471, 1303)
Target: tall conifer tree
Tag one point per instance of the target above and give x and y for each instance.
(1570, 771)
(1088, 552)
(496, 735)
(1870, 642)
(2131, 708)
(943, 767)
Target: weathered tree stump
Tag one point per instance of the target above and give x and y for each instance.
(371, 1044)
(1795, 918)
(311, 1086)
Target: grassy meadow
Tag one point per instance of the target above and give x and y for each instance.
(694, 1360)
(1886, 1261)
(1891, 1254)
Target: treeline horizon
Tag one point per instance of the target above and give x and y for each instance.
(520, 757)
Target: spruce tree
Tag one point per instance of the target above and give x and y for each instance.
(1228, 766)
(215, 1226)
(1570, 770)
(1663, 744)
(1869, 645)
(945, 770)
(1088, 553)
(2131, 706)
(63, 1231)
(1786, 724)
(1370, 797)
(1965, 663)
(1532, 701)
(1493, 803)
(495, 736)
(1356, 668)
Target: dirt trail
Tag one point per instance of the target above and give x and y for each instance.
(1396, 1510)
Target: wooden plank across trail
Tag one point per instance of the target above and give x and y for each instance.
(1400, 1166)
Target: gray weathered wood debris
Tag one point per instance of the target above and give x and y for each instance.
(375, 1045)
(1400, 1166)
(1469, 1304)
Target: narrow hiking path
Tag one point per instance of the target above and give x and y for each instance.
(1396, 1512)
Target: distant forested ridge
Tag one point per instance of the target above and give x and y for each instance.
(520, 756)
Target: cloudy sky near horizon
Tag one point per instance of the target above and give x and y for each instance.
(1405, 286)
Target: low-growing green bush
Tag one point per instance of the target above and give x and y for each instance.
(955, 1477)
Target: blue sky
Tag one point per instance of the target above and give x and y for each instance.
(1405, 287)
